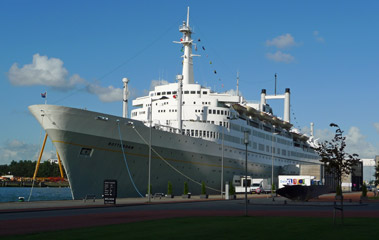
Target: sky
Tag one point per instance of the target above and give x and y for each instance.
(326, 52)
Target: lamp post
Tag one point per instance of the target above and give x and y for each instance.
(150, 140)
(246, 142)
(272, 164)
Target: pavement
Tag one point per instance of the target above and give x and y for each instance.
(44, 216)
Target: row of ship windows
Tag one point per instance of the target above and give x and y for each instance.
(175, 92)
(219, 112)
(261, 147)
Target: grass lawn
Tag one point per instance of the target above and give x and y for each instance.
(223, 228)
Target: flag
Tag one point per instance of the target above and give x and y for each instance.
(44, 95)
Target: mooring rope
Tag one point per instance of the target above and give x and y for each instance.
(164, 160)
(40, 137)
(126, 163)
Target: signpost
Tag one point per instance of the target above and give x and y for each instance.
(110, 191)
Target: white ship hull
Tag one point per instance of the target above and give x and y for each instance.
(72, 130)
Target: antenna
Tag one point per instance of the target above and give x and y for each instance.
(187, 16)
(275, 82)
(238, 79)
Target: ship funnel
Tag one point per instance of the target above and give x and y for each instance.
(312, 130)
(263, 99)
(287, 105)
(125, 98)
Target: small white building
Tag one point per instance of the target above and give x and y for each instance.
(52, 160)
(368, 170)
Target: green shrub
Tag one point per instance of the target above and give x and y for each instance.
(169, 188)
(364, 190)
(203, 190)
(273, 188)
(185, 191)
(232, 189)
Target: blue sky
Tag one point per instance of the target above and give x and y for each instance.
(78, 51)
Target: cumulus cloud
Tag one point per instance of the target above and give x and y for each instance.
(376, 126)
(43, 71)
(106, 94)
(282, 41)
(17, 150)
(279, 56)
(317, 36)
(356, 142)
(155, 83)
(233, 92)
(50, 72)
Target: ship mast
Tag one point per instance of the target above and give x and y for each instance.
(186, 41)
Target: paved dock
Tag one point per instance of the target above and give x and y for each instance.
(57, 215)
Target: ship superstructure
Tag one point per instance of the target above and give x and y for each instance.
(196, 135)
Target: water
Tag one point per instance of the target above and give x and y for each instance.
(11, 194)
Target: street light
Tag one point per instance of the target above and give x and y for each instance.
(272, 159)
(246, 142)
(150, 133)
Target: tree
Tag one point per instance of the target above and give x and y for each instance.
(336, 161)
(376, 175)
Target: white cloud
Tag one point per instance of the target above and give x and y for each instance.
(50, 72)
(279, 56)
(155, 83)
(317, 36)
(106, 94)
(17, 150)
(376, 126)
(355, 142)
(283, 41)
(43, 71)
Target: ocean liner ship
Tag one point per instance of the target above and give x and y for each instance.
(180, 132)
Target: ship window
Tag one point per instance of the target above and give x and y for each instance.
(222, 112)
(86, 152)
(204, 92)
(193, 92)
(186, 92)
(168, 93)
(207, 134)
(198, 92)
(158, 93)
(174, 92)
(200, 133)
(210, 111)
(220, 123)
(194, 102)
(192, 132)
(214, 111)
(163, 93)
(196, 133)
(218, 111)
(213, 122)
(204, 133)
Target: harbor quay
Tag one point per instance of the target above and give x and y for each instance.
(44, 216)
